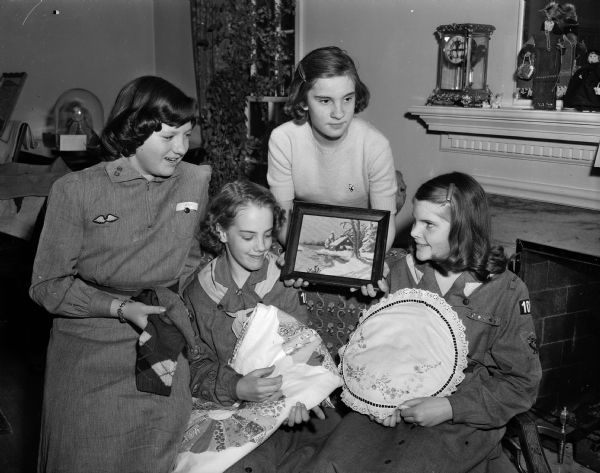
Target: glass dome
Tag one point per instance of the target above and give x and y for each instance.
(78, 120)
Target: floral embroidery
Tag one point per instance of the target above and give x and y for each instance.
(216, 428)
(411, 344)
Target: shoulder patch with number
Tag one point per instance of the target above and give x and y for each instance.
(525, 307)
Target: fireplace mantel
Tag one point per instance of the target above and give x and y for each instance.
(570, 127)
(554, 137)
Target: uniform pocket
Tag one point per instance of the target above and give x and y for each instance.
(185, 223)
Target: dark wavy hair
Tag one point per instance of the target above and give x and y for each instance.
(224, 207)
(329, 61)
(140, 109)
(470, 224)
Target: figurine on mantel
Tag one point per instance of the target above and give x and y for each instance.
(584, 88)
(547, 60)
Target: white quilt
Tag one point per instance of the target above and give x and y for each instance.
(217, 436)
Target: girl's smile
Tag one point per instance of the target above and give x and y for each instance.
(160, 154)
(248, 240)
(431, 230)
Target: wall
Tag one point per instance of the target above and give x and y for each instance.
(394, 46)
(173, 43)
(97, 45)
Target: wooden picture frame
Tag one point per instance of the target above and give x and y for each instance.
(336, 245)
(11, 84)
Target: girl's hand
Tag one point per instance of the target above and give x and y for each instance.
(297, 283)
(299, 413)
(426, 411)
(256, 386)
(135, 312)
(390, 421)
(370, 291)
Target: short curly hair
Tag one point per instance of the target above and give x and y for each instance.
(225, 206)
(329, 61)
(141, 107)
(470, 224)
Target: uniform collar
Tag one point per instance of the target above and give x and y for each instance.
(223, 274)
(121, 170)
(464, 285)
(216, 280)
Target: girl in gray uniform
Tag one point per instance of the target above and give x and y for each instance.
(453, 258)
(242, 220)
(111, 230)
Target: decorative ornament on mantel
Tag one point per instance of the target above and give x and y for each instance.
(462, 65)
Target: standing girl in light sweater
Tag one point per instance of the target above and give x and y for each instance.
(326, 154)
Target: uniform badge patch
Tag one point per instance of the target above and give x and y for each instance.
(525, 307)
(101, 219)
(532, 342)
(351, 187)
(186, 206)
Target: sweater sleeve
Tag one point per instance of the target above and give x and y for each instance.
(279, 170)
(54, 283)
(382, 179)
(491, 395)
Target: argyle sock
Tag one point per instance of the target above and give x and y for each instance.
(158, 347)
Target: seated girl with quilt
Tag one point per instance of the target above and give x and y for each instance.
(235, 411)
(458, 430)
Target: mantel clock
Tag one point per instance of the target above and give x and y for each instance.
(462, 65)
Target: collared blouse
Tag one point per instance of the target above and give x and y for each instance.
(108, 226)
(212, 378)
(504, 371)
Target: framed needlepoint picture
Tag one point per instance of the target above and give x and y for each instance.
(336, 245)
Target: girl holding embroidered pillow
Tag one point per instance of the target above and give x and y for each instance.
(453, 258)
(326, 154)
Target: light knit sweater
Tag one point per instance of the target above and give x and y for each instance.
(358, 172)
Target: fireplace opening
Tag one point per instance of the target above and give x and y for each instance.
(564, 289)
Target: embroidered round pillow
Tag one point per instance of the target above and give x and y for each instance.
(411, 344)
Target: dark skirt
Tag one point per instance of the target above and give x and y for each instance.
(359, 445)
(93, 416)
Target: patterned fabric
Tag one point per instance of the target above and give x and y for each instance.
(217, 436)
(412, 344)
(159, 346)
(335, 311)
(162, 341)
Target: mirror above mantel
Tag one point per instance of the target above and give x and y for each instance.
(541, 149)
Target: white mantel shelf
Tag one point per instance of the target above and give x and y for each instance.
(567, 126)
(555, 138)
